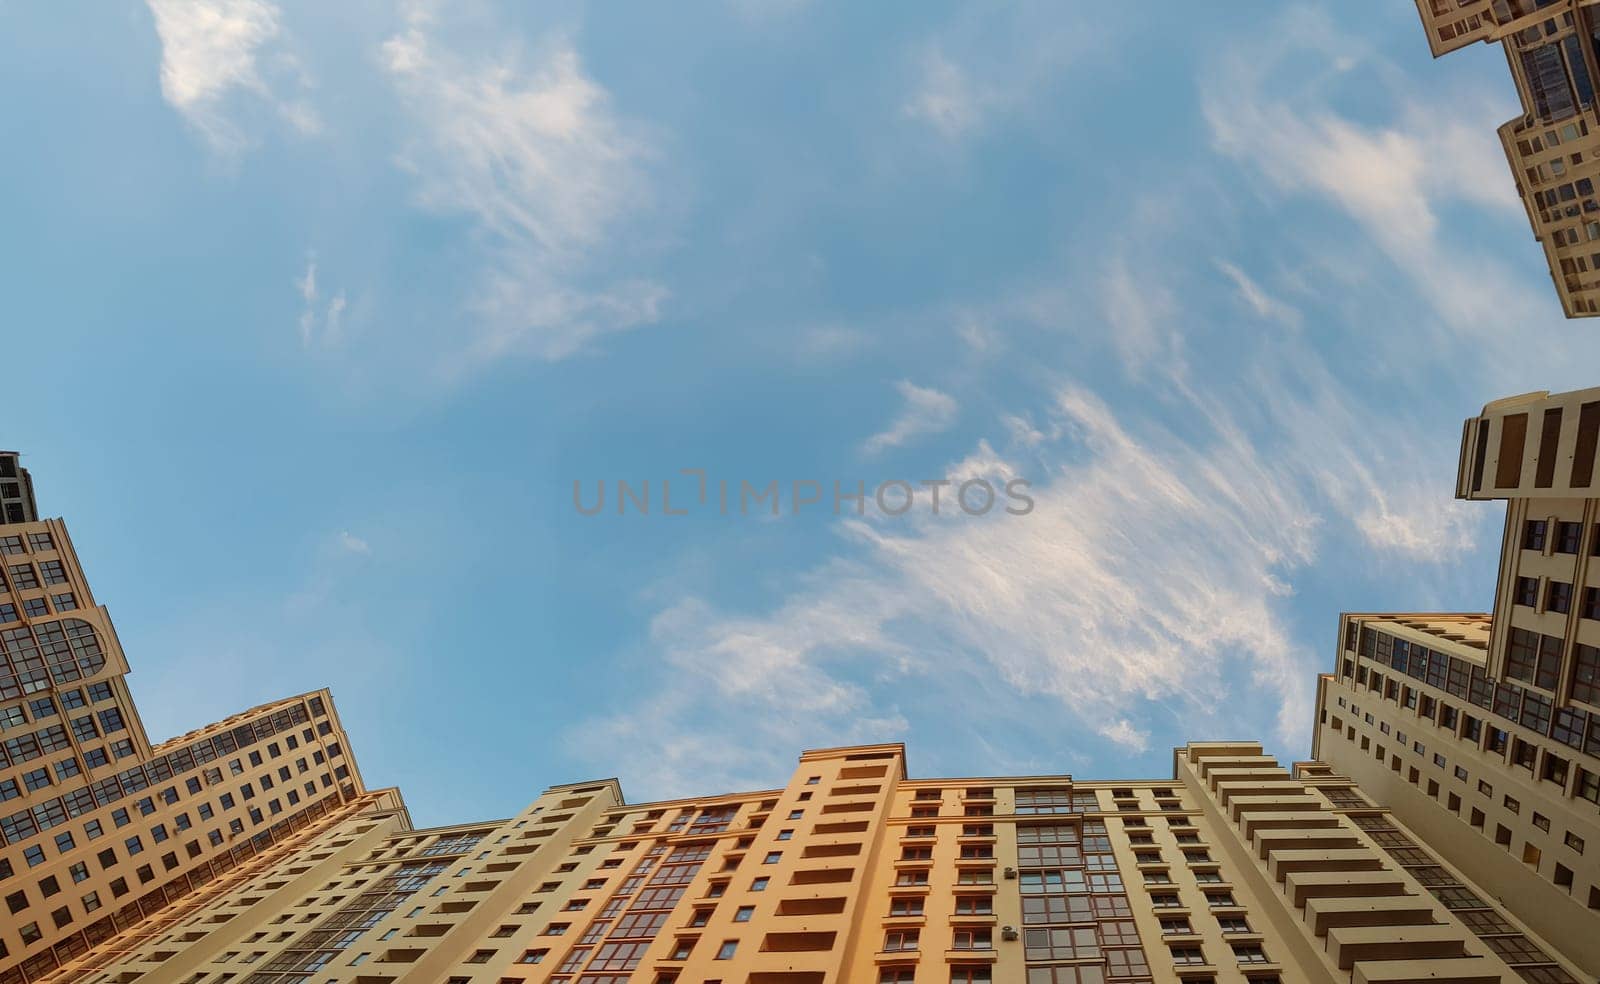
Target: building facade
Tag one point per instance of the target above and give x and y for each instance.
(1550, 47)
(1236, 869)
(99, 828)
(1482, 731)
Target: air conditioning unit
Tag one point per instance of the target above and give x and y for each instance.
(1011, 872)
(1008, 932)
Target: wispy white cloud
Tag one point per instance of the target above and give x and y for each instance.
(946, 97)
(529, 149)
(213, 53)
(318, 327)
(925, 411)
(1265, 306)
(1147, 569)
(990, 63)
(1143, 320)
(1271, 106)
(830, 342)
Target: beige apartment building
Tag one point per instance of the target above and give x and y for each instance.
(1482, 731)
(1236, 869)
(1550, 47)
(100, 829)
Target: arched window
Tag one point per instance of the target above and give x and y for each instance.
(65, 651)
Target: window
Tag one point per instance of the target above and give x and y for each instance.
(1533, 534)
(969, 905)
(906, 907)
(1569, 538)
(1060, 944)
(1126, 963)
(1043, 801)
(1249, 953)
(1187, 955)
(1527, 592)
(1558, 598)
(760, 884)
(743, 913)
(1119, 932)
(727, 949)
(975, 938)
(1233, 924)
(897, 940)
(1586, 674)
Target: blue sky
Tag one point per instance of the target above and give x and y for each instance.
(315, 312)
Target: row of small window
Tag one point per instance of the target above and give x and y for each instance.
(1193, 955)
(24, 824)
(23, 748)
(37, 607)
(967, 852)
(1587, 786)
(1552, 768)
(1204, 876)
(976, 975)
(62, 916)
(11, 546)
(1532, 854)
(1128, 963)
(25, 577)
(1026, 802)
(1511, 804)
(18, 901)
(965, 905)
(1571, 726)
(121, 816)
(1557, 597)
(44, 708)
(1214, 900)
(1568, 537)
(962, 938)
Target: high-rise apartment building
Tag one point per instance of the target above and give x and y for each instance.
(1551, 47)
(1482, 731)
(1234, 870)
(99, 829)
